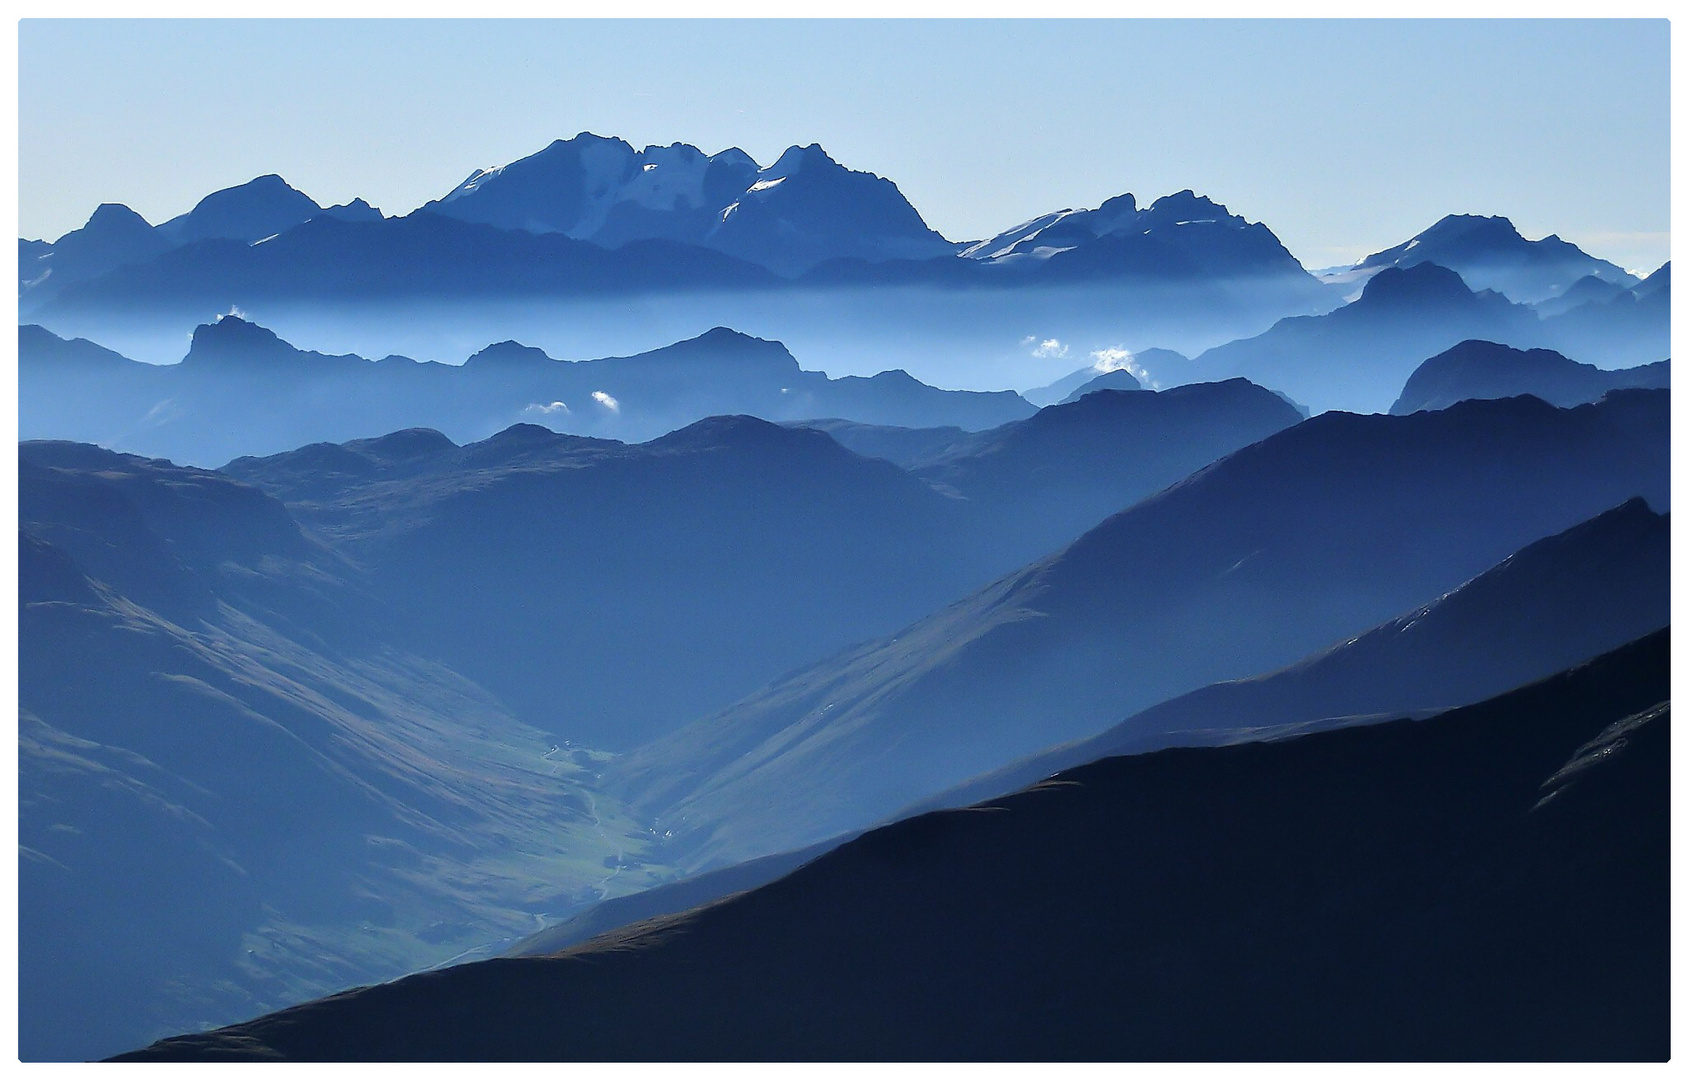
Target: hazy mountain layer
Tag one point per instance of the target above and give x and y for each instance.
(1483, 369)
(1357, 357)
(241, 390)
(1489, 253)
(1313, 534)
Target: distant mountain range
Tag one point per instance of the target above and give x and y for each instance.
(1483, 369)
(1489, 253)
(593, 215)
(1318, 532)
(241, 390)
(803, 209)
(1359, 356)
(1443, 890)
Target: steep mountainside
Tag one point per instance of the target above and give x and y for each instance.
(1442, 890)
(1313, 534)
(1554, 604)
(234, 791)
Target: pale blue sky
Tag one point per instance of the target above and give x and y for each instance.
(1344, 137)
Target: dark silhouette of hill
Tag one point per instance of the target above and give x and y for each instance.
(1316, 533)
(1491, 884)
(1483, 369)
(241, 390)
(1554, 604)
(1489, 253)
(230, 778)
(1657, 281)
(1358, 356)
(115, 236)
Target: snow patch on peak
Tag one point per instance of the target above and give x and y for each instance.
(767, 185)
(475, 180)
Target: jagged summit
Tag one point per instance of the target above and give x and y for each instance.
(1186, 208)
(802, 209)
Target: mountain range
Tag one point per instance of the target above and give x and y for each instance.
(1406, 891)
(1358, 356)
(593, 214)
(656, 582)
(240, 390)
(1283, 674)
(303, 616)
(1318, 532)
(1552, 605)
(1489, 253)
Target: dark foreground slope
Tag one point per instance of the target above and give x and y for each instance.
(1555, 604)
(1492, 884)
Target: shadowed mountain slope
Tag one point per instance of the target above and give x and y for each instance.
(620, 590)
(1408, 891)
(1315, 533)
(1554, 604)
(234, 791)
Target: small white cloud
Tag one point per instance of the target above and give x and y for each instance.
(1118, 357)
(234, 311)
(547, 410)
(1112, 359)
(606, 401)
(1050, 348)
(1029, 339)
